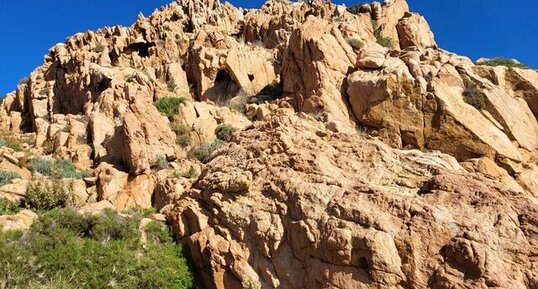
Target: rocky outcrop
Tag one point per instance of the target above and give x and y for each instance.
(300, 145)
(302, 207)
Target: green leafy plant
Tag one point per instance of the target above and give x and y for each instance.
(182, 131)
(58, 169)
(380, 39)
(171, 85)
(473, 95)
(225, 132)
(169, 106)
(8, 207)
(69, 250)
(204, 152)
(11, 143)
(6, 177)
(502, 61)
(45, 196)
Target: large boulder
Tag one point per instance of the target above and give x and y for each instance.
(315, 67)
(414, 30)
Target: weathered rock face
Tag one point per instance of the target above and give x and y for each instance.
(302, 207)
(323, 184)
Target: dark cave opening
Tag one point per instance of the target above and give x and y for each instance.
(142, 48)
(223, 89)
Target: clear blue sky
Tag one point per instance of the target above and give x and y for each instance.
(474, 28)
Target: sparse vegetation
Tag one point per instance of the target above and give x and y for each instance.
(355, 43)
(380, 39)
(473, 95)
(189, 174)
(11, 143)
(42, 195)
(224, 132)
(204, 152)
(58, 169)
(169, 106)
(171, 85)
(99, 48)
(182, 131)
(6, 177)
(501, 61)
(66, 250)
(130, 77)
(161, 162)
(8, 207)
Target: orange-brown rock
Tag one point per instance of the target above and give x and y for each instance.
(302, 207)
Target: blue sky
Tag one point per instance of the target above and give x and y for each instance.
(474, 28)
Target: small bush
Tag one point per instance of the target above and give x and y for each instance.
(58, 169)
(225, 132)
(182, 131)
(501, 61)
(72, 251)
(473, 95)
(171, 85)
(8, 208)
(203, 153)
(99, 48)
(355, 43)
(189, 174)
(44, 196)
(11, 143)
(380, 39)
(6, 177)
(169, 106)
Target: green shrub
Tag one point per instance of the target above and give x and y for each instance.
(380, 39)
(71, 251)
(502, 61)
(99, 48)
(355, 43)
(203, 153)
(11, 143)
(169, 106)
(8, 207)
(225, 132)
(189, 174)
(45, 196)
(473, 95)
(6, 177)
(59, 169)
(171, 85)
(182, 131)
